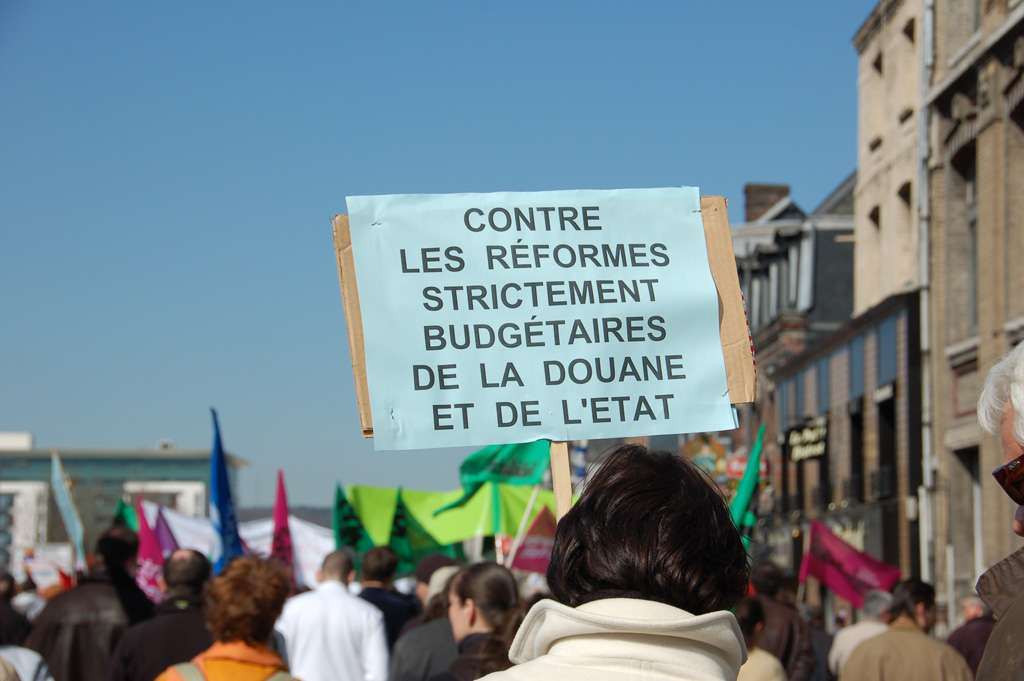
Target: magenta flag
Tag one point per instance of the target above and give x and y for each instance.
(164, 536)
(151, 559)
(281, 547)
(843, 569)
(534, 553)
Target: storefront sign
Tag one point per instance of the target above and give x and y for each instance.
(809, 441)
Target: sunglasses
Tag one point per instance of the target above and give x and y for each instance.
(1010, 477)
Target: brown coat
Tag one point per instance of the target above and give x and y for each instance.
(77, 630)
(1002, 588)
(787, 637)
(905, 653)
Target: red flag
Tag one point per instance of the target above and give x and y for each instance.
(281, 546)
(848, 572)
(151, 559)
(534, 552)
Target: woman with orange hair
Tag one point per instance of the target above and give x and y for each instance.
(242, 604)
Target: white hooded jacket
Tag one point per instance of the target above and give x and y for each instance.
(624, 638)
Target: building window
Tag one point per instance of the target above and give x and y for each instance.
(783, 406)
(904, 193)
(794, 275)
(857, 368)
(887, 351)
(773, 290)
(908, 29)
(823, 385)
(971, 201)
(798, 396)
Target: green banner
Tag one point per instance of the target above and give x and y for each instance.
(518, 464)
(125, 516)
(348, 529)
(376, 508)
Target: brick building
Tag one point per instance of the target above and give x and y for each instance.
(796, 273)
(975, 219)
(856, 394)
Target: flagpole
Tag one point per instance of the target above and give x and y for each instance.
(496, 522)
(561, 478)
(522, 526)
(803, 585)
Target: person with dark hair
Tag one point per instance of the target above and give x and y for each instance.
(483, 608)
(15, 626)
(330, 634)
(1001, 412)
(429, 648)
(875, 621)
(906, 651)
(78, 629)
(821, 640)
(379, 566)
(241, 605)
(643, 573)
(119, 548)
(177, 632)
(760, 665)
(785, 635)
(21, 664)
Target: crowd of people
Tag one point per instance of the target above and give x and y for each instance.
(648, 579)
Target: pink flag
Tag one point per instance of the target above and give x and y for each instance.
(281, 546)
(848, 572)
(151, 559)
(164, 536)
(534, 552)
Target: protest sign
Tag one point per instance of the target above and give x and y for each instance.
(550, 315)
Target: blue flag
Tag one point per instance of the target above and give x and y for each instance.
(226, 542)
(68, 511)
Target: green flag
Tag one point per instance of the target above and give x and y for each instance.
(348, 529)
(125, 516)
(410, 540)
(744, 503)
(520, 464)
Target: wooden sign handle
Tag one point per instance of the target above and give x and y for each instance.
(561, 481)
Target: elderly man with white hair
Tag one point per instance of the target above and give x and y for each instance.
(1001, 412)
(971, 637)
(874, 622)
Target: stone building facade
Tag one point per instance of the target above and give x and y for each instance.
(888, 239)
(975, 218)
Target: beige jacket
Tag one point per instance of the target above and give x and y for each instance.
(905, 653)
(618, 638)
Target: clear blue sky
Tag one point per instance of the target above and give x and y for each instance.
(169, 170)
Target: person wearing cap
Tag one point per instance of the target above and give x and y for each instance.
(1001, 412)
(429, 648)
(332, 635)
(425, 569)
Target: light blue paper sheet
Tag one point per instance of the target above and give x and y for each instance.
(513, 317)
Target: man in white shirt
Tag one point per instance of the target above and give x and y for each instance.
(331, 635)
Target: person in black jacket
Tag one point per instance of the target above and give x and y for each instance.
(177, 632)
(15, 626)
(77, 630)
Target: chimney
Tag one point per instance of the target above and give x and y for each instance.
(758, 198)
